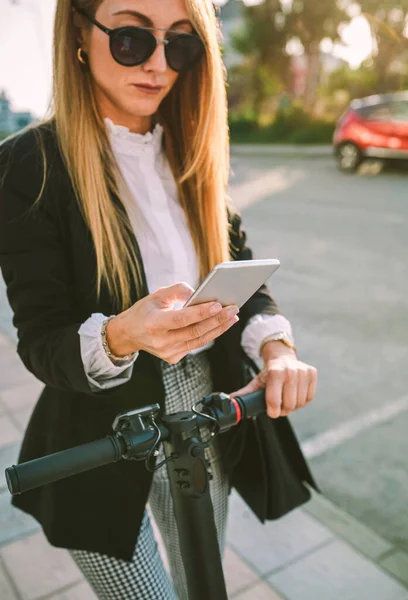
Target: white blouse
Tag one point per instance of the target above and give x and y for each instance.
(166, 247)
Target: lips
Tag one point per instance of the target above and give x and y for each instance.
(146, 86)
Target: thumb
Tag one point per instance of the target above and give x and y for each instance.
(167, 296)
(253, 386)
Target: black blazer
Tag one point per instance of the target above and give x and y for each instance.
(48, 263)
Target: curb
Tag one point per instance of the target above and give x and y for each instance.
(382, 552)
(317, 151)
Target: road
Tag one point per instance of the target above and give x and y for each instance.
(343, 282)
(343, 246)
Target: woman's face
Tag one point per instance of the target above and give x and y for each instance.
(116, 90)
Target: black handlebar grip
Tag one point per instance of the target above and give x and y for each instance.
(66, 463)
(252, 404)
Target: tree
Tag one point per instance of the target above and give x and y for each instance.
(311, 21)
(262, 41)
(388, 20)
(355, 83)
(267, 29)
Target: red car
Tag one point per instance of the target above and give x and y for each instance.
(372, 127)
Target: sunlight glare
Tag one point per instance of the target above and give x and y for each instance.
(357, 43)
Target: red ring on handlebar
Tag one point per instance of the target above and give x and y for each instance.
(237, 410)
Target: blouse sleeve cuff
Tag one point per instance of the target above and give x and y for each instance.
(101, 372)
(257, 329)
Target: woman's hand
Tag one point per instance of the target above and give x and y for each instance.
(153, 325)
(289, 383)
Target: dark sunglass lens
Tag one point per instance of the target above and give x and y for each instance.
(130, 47)
(184, 51)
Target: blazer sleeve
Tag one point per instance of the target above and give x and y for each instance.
(37, 275)
(261, 302)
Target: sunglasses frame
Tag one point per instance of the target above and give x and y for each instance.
(113, 32)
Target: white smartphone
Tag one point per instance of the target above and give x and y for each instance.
(233, 282)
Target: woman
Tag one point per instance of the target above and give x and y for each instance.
(111, 212)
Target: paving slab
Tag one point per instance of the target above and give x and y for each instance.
(82, 591)
(238, 575)
(38, 569)
(7, 591)
(274, 544)
(357, 534)
(13, 372)
(8, 457)
(14, 523)
(333, 572)
(397, 564)
(367, 477)
(4, 339)
(21, 418)
(260, 591)
(9, 433)
(7, 329)
(22, 396)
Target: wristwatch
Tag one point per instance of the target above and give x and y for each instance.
(106, 345)
(280, 336)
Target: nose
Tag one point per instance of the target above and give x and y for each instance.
(157, 62)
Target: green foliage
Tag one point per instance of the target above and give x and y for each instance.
(317, 132)
(249, 88)
(356, 82)
(291, 126)
(288, 121)
(262, 43)
(265, 73)
(262, 40)
(243, 128)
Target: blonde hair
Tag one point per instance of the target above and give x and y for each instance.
(194, 119)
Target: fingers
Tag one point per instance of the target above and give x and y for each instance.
(186, 346)
(275, 378)
(303, 387)
(198, 329)
(165, 297)
(311, 392)
(185, 317)
(307, 384)
(289, 386)
(253, 386)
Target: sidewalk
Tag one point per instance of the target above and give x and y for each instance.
(317, 552)
(283, 150)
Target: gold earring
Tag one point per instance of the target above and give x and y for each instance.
(80, 57)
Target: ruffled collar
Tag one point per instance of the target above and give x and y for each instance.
(126, 142)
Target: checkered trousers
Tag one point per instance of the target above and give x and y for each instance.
(145, 577)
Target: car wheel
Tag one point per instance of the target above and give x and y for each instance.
(349, 157)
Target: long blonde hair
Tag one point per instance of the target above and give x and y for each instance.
(194, 118)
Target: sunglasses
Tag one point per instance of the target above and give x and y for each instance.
(131, 46)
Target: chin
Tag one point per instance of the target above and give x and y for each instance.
(145, 108)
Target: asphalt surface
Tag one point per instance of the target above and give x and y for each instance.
(343, 246)
(343, 283)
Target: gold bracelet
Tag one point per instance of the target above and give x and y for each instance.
(280, 336)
